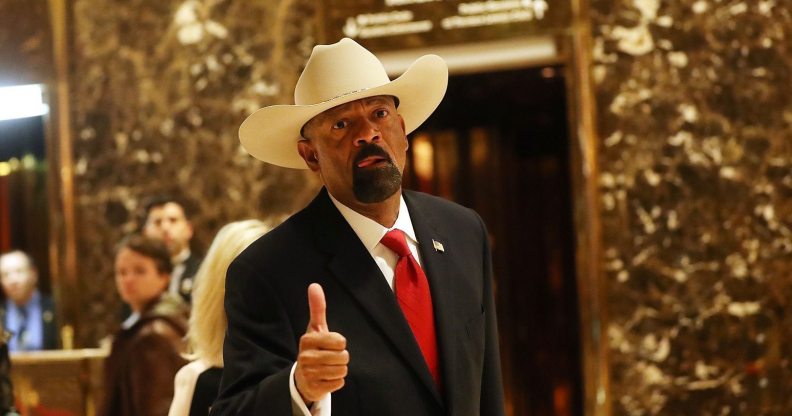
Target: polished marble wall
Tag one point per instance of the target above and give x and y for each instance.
(159, 89)
(695, 155)
(25, 42)
(695, 123)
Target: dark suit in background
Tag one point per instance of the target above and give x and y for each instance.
(268, 312)
(49, 318)
(184, 279)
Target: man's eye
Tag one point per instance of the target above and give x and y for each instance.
(340, 124)
(381, 113)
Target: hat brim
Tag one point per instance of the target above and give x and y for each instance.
(271, 134)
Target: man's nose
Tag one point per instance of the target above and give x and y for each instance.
(369, 132)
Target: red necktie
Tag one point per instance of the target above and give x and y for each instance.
(412, 292)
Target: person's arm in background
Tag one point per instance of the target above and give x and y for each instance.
(183, 389)
(151, 370)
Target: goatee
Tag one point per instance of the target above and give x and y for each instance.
(375, 184)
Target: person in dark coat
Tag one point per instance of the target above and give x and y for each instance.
(147, 352)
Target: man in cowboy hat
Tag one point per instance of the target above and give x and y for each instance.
(394, 287)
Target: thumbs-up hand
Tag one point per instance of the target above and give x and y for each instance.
(323, 358)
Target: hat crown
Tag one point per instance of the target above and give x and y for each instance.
(335, 70)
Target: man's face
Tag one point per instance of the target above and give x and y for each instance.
(168, 223)
(359, 150)
(18, 277)
(137, 279)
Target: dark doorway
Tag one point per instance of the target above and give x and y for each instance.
(24, 223)
(499, 143)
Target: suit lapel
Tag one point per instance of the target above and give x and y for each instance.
(352, 265)
(439, 270)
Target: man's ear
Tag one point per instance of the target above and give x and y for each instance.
(308, 153)
(404, 130)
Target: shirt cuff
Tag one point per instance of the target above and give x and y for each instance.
(319, 408)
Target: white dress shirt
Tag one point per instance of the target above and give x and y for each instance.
(370, 233)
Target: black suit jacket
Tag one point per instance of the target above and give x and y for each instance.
(267, 309)
(187, 278)
(51, 337)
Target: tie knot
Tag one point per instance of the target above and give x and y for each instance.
(394, 240)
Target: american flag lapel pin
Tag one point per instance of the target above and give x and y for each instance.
(438, 246)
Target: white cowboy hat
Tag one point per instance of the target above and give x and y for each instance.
(337, 74)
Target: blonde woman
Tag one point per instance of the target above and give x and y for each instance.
(197, 383)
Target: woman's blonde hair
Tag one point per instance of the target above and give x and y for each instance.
(208, 320)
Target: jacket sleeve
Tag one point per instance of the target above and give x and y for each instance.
(155, 361)
(491, 383)
(259, 348)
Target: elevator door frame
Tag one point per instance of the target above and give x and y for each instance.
(572, 51)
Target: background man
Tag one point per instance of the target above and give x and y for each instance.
(167, 219)
(404, 278)
(29, 314)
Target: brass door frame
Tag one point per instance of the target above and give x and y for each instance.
(574, 53)
(63, 252)
(588, 239)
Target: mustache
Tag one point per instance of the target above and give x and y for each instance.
(369, 150)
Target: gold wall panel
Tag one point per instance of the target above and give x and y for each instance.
(25, 42)
(695, 151)
(691, 150)
(158, 92)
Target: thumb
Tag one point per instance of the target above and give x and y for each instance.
(317, 307)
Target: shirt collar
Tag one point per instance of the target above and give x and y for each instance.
(371, 232)
(182, 256)
(130, 320)
(35, 299)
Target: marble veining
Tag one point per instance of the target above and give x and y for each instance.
(160, 89)
(693, 113)
(696, 180)
(25, 43)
